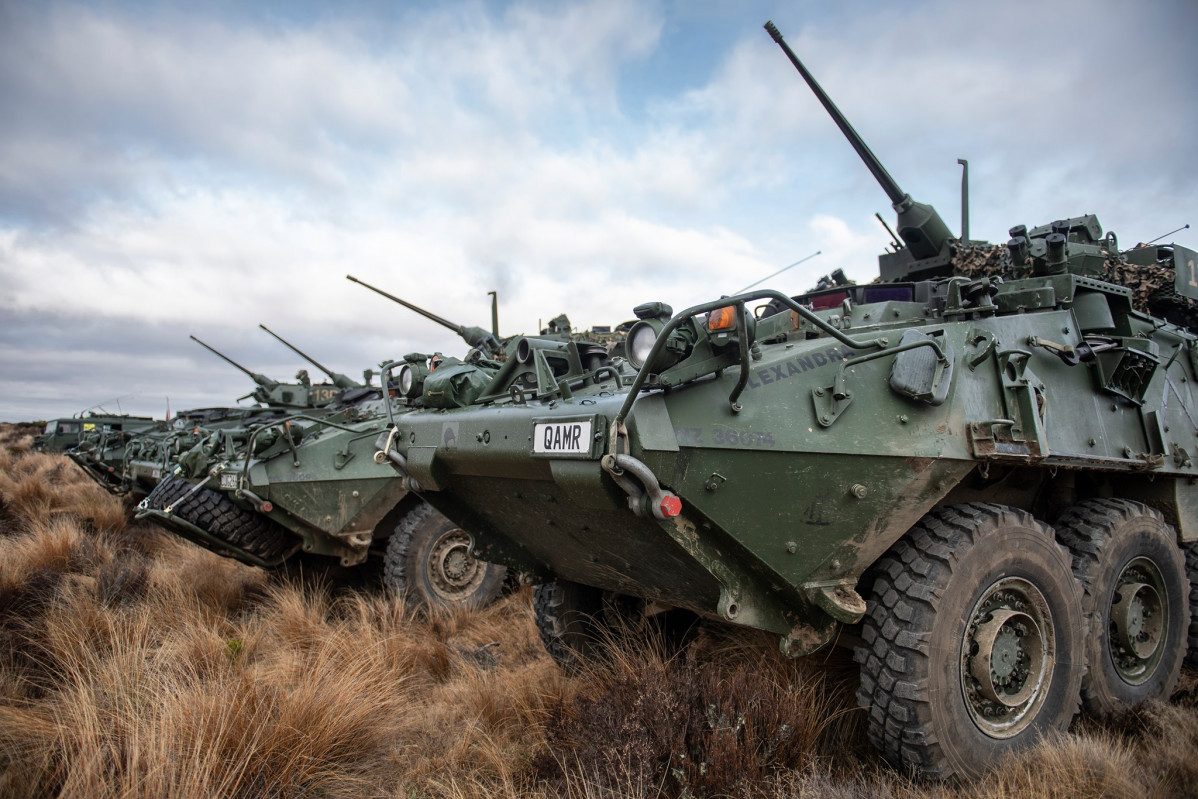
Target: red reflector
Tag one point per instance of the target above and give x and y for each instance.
(267, 507)
(670, 506)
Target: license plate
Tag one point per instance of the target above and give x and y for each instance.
(228, 481)
(562, 438)
(155, 474)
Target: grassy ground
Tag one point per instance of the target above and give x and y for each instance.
(133, 664)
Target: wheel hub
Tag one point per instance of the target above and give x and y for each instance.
(453, 574)
(1009, 646)
(1006, 657)
(1138, 615)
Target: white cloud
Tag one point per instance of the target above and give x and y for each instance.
(180, 171)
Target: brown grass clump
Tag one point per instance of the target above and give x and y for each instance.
(36, 487)
(719, 719)
(17, 438)
(133, 663)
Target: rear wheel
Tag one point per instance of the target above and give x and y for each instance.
(1191, 553)
(1134, 577)
(971, 647)
(428, 559)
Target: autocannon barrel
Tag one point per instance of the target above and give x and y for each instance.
(919, 225)
(339, 380)
(261, 380)
(474, 336)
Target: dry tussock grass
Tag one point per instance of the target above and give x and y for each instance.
(17, 438)
(133, 663)
(38, 487)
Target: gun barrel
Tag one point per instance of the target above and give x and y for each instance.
(892, 189)
(474, 336)
(261, 380)
(220, 354)
(919, 226)
(426, 314)
(297, 350)
(339, 380)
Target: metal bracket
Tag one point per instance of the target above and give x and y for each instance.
(831, 401)
(987, 341)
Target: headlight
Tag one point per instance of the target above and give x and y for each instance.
(411, 379)
(641, 339)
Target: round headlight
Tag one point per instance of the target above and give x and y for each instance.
(405, 379)
(641, 339)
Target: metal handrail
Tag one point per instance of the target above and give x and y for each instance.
(739, 301)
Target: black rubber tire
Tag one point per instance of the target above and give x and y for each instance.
(1112, 539)
(1191, 554)
(579, 623)
(166, 492)
(939, 588)
(428, 561)
(215, 513)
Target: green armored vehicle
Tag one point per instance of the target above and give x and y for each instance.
(302, 394)
(307, 486)
(985, 483)
(148, 459)
(133, 463)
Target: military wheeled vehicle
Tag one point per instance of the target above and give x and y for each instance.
(978, 472)
(305, 487)
(131, 461)
(148, 458)
(61, 435)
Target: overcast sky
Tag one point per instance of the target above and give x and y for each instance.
(179, 168)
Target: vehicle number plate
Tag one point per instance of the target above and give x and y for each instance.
(155, 474)
(228, 481)
(562, 438)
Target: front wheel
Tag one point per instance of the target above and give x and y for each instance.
(972, 644)
(428, 559)
(215, 513)
(1136, 603)
(579, 624)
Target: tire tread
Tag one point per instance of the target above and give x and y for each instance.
(893, 654)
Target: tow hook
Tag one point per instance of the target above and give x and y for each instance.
(388, 453)
(662, 504)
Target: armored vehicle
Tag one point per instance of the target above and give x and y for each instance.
(272, 393)
(148, 457)
(132, 462)
(985, 483)
(307, 486)
(101, 453)
(145, 459)
(62, 434)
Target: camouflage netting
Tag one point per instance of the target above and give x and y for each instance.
(982, 261)
(1152, 286)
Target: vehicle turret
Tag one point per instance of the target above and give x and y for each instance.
(474, 336)
(339, 380)
(925, 235)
